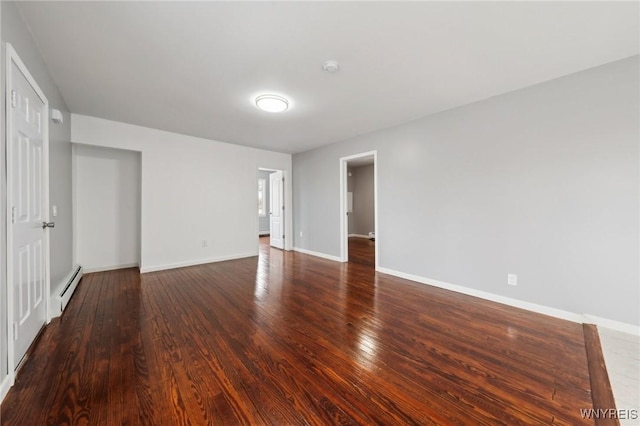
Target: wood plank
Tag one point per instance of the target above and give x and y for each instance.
(286, 338)
(601, 392)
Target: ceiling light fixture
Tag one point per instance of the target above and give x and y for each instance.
(331, 67)
(272, 103)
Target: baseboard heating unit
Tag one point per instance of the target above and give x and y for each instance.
(70, 287)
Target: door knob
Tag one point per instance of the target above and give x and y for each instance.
(48, 225)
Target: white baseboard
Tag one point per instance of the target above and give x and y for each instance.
(5, 385)
(155, 268)
(541, 309)
(110, 267)
(263, 233)
(317, 254)
(533, 307)
(612, 324)
(358, 236)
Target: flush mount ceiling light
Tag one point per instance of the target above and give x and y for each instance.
(331, 67)
(272, 103)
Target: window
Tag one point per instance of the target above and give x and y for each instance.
(262, 207)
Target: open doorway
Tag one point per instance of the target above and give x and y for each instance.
(107, 193)
(271, 220)
(358, 187)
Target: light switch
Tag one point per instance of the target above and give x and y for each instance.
(54, 211)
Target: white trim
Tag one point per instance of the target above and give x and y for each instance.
(4, 387)
(358, 236)
(317, 254)
(12, 57)
(612, 324)
(344, 220)
(541, 309)
(264, 193)
(533, 307)
(74, 209)
(195, 262)
(264, 233)
(111, 267)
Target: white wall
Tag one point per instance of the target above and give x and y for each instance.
(542, 182)
(106, 207)
(193, 190)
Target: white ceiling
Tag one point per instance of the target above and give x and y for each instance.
(195, 67)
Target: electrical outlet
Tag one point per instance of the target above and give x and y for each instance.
(300, 234)
(204, 243)
(512, 279)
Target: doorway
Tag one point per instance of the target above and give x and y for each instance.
(271, 211)
(358, 209)
(27, 149)
(107, 191)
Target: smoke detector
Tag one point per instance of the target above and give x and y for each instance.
(331, 67)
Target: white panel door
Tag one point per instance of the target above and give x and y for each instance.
(28, 115)
(276, 215)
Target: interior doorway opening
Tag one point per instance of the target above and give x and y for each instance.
(107, 190)
(271, 211)
(358, 195)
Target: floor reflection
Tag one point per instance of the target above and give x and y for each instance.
(360, 300)
(268, 282)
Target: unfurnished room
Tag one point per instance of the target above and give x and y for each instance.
(294, 213)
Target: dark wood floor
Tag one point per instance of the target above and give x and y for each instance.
(363, 251)
(291, 339)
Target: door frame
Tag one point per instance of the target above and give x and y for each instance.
(288, 212)
(13, 58)
(276, 181)
(344, 219)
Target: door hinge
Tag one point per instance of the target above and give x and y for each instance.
(15, 331)
(13, 215)
(14, 99)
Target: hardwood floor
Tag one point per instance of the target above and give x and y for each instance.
(289, 339)
(363, 251)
